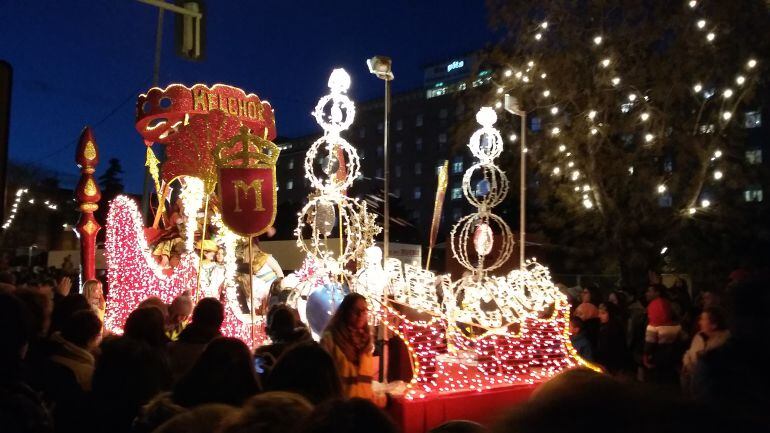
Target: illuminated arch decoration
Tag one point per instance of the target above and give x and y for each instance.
(132, 273)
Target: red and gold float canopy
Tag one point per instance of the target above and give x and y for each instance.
(160, 111)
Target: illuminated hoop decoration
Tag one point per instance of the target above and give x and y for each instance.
(488, 331)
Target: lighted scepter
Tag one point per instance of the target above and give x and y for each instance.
(437, 208)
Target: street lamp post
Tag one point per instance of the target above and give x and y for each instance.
(512, 106)
(381, 67)
(29, 255)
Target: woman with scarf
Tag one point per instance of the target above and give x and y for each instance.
(348, 339)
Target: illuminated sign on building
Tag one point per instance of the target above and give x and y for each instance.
(457, 64)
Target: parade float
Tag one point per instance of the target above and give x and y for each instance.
(216, 191)
(472, 343)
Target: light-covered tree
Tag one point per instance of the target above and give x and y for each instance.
(637, 112)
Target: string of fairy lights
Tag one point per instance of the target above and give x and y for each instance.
(633, 102)
(19, 202)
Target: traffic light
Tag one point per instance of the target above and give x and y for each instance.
(190, 30)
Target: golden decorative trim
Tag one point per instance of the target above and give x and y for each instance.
(90, 228)
(255, 151)
(90, 150)
(89, 207)
(90, 188)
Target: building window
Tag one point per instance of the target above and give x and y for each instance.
(379, 127)
(707, 129)
(459, 110)
(457, 213)
(399, 125)
(397, 170)
(398, 147)
(417, 168)
(397, 193)
(753, 194)
(442, 114)
(379, 151)
(457, 193)
(362, 133)
(290, 184)
(378, 172)
(752, 119)
(668, 165)
(418, 120)
(290, 165)
(362, 153)
(432, 93)
(418, 144)
(457, 165)
(535, 124)
(754, 156)
(442, 138)
(417, 194)
(439, 166)
(415, 215)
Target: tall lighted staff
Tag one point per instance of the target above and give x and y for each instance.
(247, 189)
(443, 179)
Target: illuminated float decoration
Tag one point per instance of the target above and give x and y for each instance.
(331, 166)
(481, 331)
(190, 123)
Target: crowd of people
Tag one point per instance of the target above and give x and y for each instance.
(665, 337)
(172, 370)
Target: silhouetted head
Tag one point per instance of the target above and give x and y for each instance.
(348, 416)
(224, 373)
(40, 308)
(146, 324)
(270, 412)
(203, 419)
(306, 369)
(209, 313)
(83, 329)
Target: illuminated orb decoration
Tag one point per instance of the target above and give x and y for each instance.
(322, 303)
(482, 331)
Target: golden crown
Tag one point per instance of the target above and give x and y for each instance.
(246, 150)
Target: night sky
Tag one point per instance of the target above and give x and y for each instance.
(84, 62)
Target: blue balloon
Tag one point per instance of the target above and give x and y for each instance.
(322, 303)
(482, 188)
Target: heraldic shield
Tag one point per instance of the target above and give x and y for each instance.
(246, 182)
